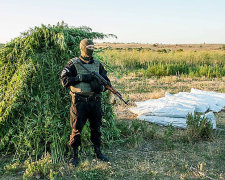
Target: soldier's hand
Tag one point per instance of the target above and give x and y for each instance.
(96, 86)
(85, 77)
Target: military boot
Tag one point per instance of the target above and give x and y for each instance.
(99, 155)
(74, 160)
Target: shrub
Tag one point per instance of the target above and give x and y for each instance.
(198, 127)
(180, 50)
(162, 50)
(13, 168)
(34, 107)
(41, 169)
(168, 133)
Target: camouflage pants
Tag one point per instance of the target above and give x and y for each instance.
(80, 111)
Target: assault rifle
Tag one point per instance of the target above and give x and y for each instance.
(105, 83)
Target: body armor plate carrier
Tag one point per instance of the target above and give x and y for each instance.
(84, 88)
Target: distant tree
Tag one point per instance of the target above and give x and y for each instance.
(223, 47)
(180, 50)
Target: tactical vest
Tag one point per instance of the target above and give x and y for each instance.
(84, 88)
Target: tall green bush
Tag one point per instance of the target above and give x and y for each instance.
(198, 127)
(34, 107)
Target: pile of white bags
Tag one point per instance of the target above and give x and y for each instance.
(173, 109)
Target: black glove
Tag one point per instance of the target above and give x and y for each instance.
(96, 86)
(85, 77)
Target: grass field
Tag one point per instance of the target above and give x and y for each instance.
(153, 63)
(146, 151)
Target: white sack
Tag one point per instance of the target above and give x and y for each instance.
(174, 108)
(215, 100)
(195, 102)
(175, 122)
(165, 121)
(162, 107)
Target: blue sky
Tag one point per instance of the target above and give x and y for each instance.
(143, 21)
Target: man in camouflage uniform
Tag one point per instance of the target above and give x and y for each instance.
(86, 98)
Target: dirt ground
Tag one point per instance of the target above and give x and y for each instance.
(185, 47)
